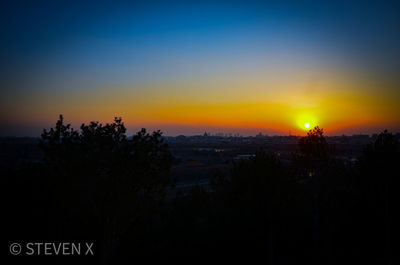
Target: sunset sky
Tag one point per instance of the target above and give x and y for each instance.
(188, 67)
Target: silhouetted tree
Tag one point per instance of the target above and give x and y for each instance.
(314, 144)
(310, 162)
(254, 194)
(103, 178)
(379, 167)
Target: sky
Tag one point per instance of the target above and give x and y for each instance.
(187, 67)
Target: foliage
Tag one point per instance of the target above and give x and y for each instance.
(101, 177)
(105, 153)
(314, 144)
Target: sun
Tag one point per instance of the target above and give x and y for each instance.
(306, 120)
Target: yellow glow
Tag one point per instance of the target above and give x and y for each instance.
(307, 119)
(231, 103)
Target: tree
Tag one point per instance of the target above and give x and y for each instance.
(378, 181)
(257, 189)
(314, 144)
(312, 161)
(102, 178)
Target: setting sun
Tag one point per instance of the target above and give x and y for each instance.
(307, 119)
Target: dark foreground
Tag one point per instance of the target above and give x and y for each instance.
(137, 200)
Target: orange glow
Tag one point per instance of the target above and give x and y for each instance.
(336, 107)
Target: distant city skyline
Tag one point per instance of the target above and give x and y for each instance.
(224, 132)
(188, 67)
